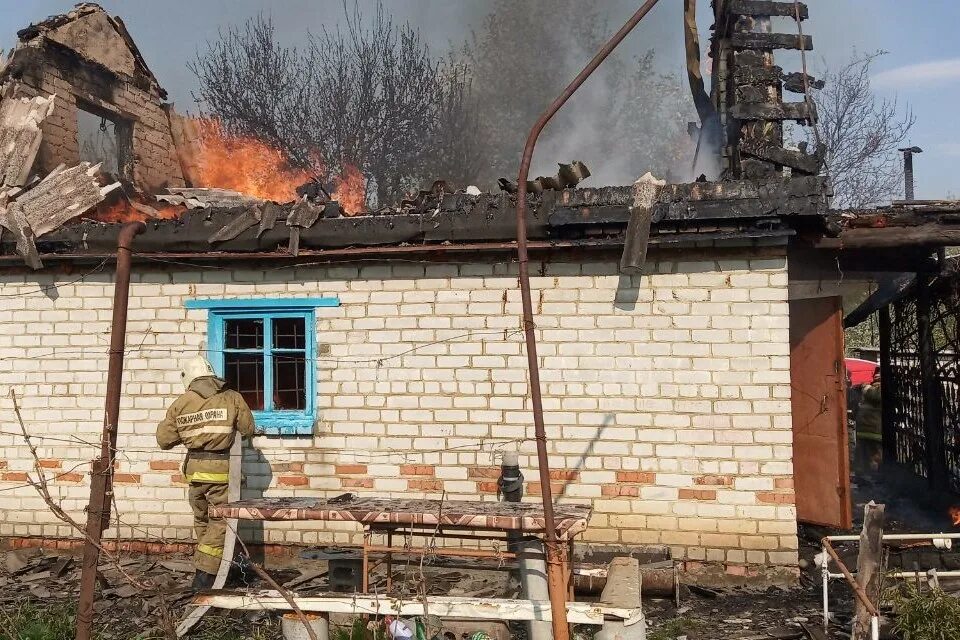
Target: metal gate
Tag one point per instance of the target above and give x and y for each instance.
(922, 424)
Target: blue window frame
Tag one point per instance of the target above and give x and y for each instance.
(266, 350)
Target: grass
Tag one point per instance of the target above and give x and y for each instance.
(927, 615)
(357, 631)
(30, 621)
(670, 629)
(27, 621)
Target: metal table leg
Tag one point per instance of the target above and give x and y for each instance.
(389, 562)
(366, 560)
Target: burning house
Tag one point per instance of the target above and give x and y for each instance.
(689, 349)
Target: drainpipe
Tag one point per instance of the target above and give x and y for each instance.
(556, 553)
(101, 474)
(531, 566)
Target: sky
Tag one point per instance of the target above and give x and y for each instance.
(921, 69)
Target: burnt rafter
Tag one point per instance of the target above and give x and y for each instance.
(749, 86)
(771, 111)
(806, 163)
(769, 8)
(770, 41)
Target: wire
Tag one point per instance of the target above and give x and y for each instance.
(479, 445)
(48, 478)
(146, 349)
(46, 288)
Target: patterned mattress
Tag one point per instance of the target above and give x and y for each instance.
(570, 519)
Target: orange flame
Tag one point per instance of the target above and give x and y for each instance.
(955, 514)
(247, 165)
(350, 190)
(253, 167)
(122, 211)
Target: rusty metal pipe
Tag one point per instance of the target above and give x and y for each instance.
(555, 553)
(101, 475)
(857, 588)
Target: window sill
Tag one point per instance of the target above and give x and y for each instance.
(284, 423)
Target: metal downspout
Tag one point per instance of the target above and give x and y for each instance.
(101, 475)
(555, 552)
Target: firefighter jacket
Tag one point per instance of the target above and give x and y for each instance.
(869, 413)
(206, 420)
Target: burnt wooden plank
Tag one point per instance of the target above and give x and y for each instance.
(637, 241)
(769, 8)
(793, 82)
(757, 76)
(753, 40)
(738, 189)
(925, 235)
(571, 216)
(805, 162)
(774, 111)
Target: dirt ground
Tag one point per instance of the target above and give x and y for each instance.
(34, 582)
(41, 586)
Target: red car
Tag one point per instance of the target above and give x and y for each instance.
(860, 371)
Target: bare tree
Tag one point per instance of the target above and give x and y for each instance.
(369, 95)
(862, 133)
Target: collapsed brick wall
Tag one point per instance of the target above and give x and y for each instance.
(44, 68)
(667, 397)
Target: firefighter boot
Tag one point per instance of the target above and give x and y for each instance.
(202, 580)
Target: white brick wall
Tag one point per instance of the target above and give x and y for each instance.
(666, 397)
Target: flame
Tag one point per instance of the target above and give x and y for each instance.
(254, 167)
(246, 164)
(122, 211)
(350, 190)
(955, 514)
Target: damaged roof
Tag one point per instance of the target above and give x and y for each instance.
(89, 31)
(699, 214)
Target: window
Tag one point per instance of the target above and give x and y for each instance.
(265, 350)
(105, 138)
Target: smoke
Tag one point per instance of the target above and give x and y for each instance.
(631, 116)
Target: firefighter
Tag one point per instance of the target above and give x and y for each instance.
(205, 419)
(869, 449)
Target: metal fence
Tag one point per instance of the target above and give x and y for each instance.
(923, 391)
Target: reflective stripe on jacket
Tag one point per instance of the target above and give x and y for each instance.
(206, 418)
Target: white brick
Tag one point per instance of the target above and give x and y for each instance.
(691, 379)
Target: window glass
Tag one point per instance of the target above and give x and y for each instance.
(244, 334)
(289, 333)
(244, 373)
(285, 355)
(289, 380)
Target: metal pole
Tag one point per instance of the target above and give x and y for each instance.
(555, 552)
(101, 476)
(908, 170)
(825, 575)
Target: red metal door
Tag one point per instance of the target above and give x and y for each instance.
(821, 464)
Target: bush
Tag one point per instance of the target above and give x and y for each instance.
(927, 615)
